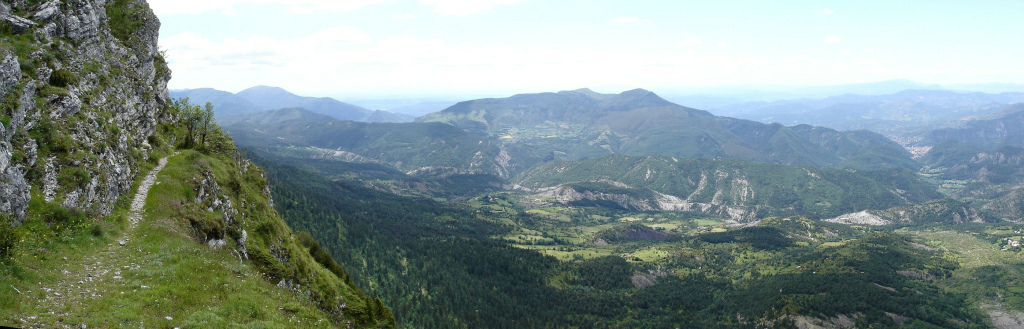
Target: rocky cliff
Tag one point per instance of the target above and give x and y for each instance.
(85, 111)
(83, 88)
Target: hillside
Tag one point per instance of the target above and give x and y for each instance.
(1001, 128)
(380, 116)
(742, 191)
(944, 211)
(424, 147)
(579, 124)
(120, 207)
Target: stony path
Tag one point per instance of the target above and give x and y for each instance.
(94, 275)
(140, 195)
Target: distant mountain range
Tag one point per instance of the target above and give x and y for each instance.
(559, 147)
(898, 114)
(263, 98)
(580, 124)
(740, 190)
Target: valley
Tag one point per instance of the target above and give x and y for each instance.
(457, 187)
(610, 230)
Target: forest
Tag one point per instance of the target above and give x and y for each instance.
(439, 264)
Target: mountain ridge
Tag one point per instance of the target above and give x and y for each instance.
(262, 98)
(582, 124)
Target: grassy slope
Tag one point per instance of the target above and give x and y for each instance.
(161, 272)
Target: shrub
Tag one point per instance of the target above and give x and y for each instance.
(8, 238)
(155, 141)
(267, 263)
(60, 219)
(51, 90)
(125, 19)
(96, 230)
(205, 225)
(73, 177)
(63, 78)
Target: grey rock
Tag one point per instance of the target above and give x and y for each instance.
(47, 12)
(14, 194)
(10, 73)
(5, 153)
(241, 244)
(216, 243)
(123, 88)
(83, 20)
(50, 180)
(18, 24)
(25, 104)
(66, 106)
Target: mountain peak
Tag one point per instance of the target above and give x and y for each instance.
(265, 90)
(637, 91)
(588, 93)
(636, 98)
(268, 98)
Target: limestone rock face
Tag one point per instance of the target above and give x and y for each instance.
(90, 102)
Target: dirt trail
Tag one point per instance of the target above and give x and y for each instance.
(92, 276)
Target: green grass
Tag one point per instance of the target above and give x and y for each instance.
(161, 272)
(569, 255)
(648, 254)
(706, 222)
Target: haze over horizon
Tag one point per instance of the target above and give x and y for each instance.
(376, 48)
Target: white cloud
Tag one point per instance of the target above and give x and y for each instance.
(722, 44)
(172, 7)
(828, 12)
(797, 58)
(833, 39)
(336, 36)
(844, 52)
(348, 60)
(465, 7)
(868, 51)
(198, 55)
(631, 19)
(691, 42)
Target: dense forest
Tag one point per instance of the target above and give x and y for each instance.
(436, 265)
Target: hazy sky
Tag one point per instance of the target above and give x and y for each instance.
(378, 47)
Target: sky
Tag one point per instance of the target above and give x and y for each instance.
(383, 48)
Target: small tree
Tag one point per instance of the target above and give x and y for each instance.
(207, 120)
(197, 121)
(191, 118)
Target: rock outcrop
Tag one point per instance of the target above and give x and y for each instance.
(81, 101)
(640, 200)
(947, 211)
